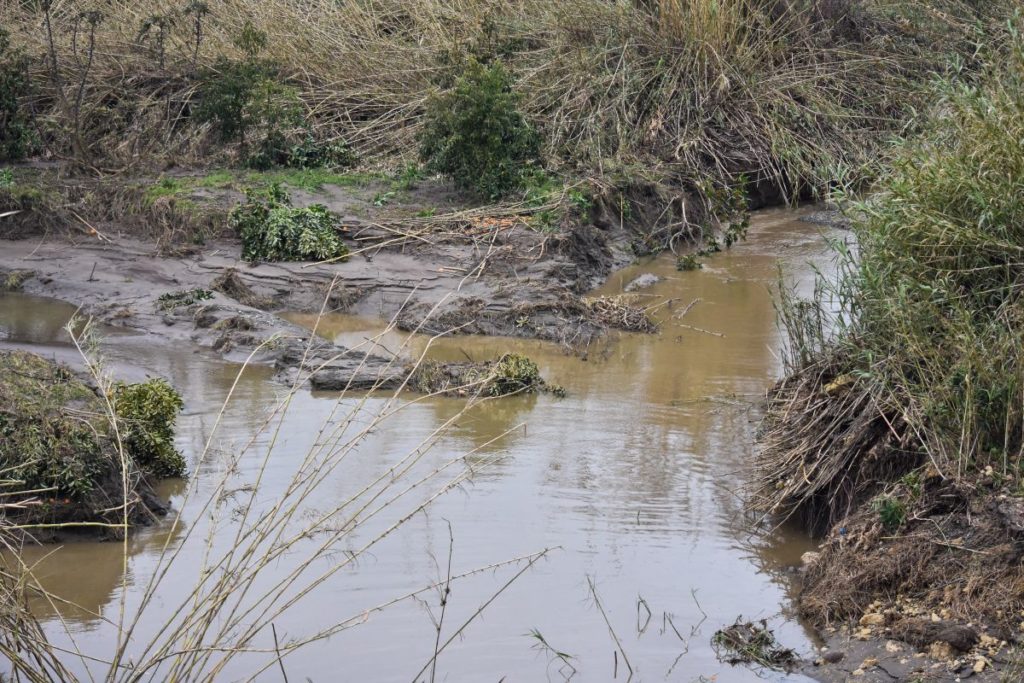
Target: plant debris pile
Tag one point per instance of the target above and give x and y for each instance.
(748, 642)
(60, 461)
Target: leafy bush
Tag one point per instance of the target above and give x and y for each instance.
(16, 136)
(56, 439)
(41, 445)
(245, 100)
(476, 134)
(240, 98)
(891, 512)
(148, 411)
(514, 373)
(272, 229)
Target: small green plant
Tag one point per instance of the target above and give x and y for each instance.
(165, 187)
(148, 411)
(475, 133)
(184, 297)
(513, 374)
(891, 511)
(383, 198)
(16, 136)
(428, 212)
(408, 177)
(272, 229)
(689, 262)
(312, 153)
(6, 179)
(251, 40)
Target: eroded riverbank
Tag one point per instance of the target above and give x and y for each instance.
(632, 480)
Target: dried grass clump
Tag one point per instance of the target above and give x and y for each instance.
(693, 92)
(901, 425)
(620, 313)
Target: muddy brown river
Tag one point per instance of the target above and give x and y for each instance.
(632, 483)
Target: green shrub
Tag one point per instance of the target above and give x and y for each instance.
(242, 99)
(476, 134)
(514, 373)
(891, 512)
(932, 318)
(247, 103)
(272, 229)
(56, 439)
(16, 135)
(42, 445)
(148, 411)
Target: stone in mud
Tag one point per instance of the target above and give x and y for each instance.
(642, 282)
(334, 368)
(922, 634)
(830, 218)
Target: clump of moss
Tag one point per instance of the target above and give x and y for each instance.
(59, 456)
(273, 230)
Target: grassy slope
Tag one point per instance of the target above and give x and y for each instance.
(904, 427)
(684, 94)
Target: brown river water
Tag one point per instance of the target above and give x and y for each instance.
(633, 481)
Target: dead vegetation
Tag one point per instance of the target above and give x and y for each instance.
(747, 642)
(665, 107)
(897, 434)
(509, 375)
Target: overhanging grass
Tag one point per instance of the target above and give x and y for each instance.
(926, 363)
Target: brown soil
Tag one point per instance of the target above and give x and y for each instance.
(467, 270)
(928, 561)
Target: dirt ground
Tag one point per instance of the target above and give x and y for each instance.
(469, 271)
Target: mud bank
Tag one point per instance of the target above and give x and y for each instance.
(67, 467)
(463, 273)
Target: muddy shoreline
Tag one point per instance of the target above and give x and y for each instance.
(494, 276)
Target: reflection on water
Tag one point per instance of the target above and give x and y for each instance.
(635, 477)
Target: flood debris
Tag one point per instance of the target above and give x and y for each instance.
(752, 642)
(61, 464)
(509, 375)
(231, 285)
(14, 280)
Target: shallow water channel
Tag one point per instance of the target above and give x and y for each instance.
(632, 482)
